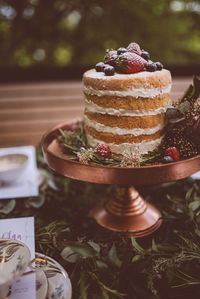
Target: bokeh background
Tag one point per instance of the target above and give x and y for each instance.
(61, 38)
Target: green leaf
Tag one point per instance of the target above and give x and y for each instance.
(101, 265)
(136, 258)
(189, 193)
(136, 245)
(154, 246)
(7, 206)
(95, 246)
(113, 258)
(84, 250)
(83, 286)
(184, 107)
(194, 205)
(69, 255)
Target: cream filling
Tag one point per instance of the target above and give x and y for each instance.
(119, 131)
(94, 108)
(142, 147)
(132, 92)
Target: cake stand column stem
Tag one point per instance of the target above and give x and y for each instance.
(127, 211)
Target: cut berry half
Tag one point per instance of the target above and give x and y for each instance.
(172, 152)
(130, 63)
(103, 150)
(134, 48)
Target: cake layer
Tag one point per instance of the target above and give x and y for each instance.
(137, 84)
(121, 131)
(129, 103)
(142, 147)
(90, 107)
(128, 122)
(118, 139)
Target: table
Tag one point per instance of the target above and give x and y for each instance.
(28, 110)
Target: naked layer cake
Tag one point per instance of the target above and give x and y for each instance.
(125, 102)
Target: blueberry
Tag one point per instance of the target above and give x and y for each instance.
(80, 149)
(109, 70)
(99, 67)
(121, 50)
(167, 159)
(159, 66)
(145, 55)
(151, 67)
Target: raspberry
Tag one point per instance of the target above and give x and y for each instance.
(172, 152)
(111, 57)
(103, 150)
(130, 63)
(134, 48)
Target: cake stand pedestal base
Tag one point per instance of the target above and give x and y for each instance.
(126, 211)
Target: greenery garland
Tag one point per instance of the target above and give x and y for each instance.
(104, 264)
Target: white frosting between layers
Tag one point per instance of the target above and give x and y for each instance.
(115, 130)
(94, 108)
(132, 92)
(142, 147)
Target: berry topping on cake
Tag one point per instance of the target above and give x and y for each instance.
(109, 70)
(172, 152)
(130, 63)
(151, 67)
(121, 50)
(134, 48)
(159, 66)
(99, 67)
(145, 55)
(111, 57)
(103, 150)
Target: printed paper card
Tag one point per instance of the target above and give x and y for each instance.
(27, 184)
(21, 229)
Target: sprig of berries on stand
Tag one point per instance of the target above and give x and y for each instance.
(127, 61)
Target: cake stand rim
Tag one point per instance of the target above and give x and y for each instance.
(52, 131)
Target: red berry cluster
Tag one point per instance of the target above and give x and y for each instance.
(127, 60)
(171, 155)
(103, 150)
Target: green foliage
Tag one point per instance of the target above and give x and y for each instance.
(60, 32)
(104, 264)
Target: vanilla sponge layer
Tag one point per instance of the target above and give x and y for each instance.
(142, 147)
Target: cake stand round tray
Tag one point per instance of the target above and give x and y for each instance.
(126, 210)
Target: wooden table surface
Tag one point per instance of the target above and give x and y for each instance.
(27, 110)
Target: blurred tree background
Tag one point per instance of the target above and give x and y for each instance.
(69, 33)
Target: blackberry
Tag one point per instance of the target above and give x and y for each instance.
(121, 50)
(109, 70)
(145, 55)
(99, 67)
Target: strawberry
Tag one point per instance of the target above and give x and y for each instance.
(134, 48)
(103, 150)
(172, 152)
(111, 57)
(130, 63)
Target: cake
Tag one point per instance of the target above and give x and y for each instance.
(126, 110)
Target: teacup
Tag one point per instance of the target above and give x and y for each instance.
(14, 258)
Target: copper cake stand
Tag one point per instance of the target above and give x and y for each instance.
(126, 210)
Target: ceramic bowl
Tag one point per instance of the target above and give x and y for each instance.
(12, 167)
(59, 284)
(14, 258)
